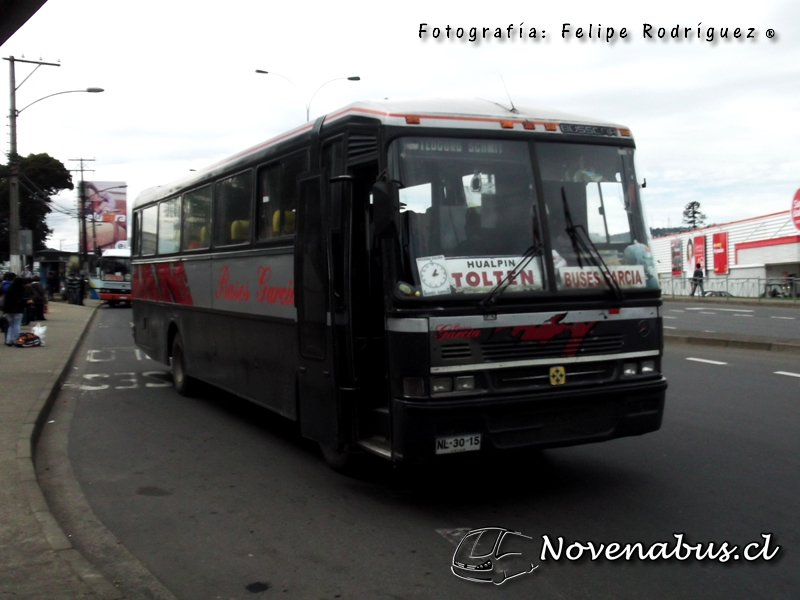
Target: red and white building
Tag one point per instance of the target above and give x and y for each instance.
(766, 247)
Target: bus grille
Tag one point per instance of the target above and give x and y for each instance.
(498, 351)
(456, 351)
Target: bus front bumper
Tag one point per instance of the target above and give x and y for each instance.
(546, 420)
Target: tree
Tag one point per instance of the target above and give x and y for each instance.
(40, 177)
(692, 215)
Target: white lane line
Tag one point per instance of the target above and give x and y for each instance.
(670, 317)
(787, 318)
(708, 331)
(706, 313)
(787, 373)
(742, 315)
(737, 310)
(705, 360)
(676, 310)
(668, 327)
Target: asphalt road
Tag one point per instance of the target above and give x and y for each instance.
(729, 317)
(221, 499)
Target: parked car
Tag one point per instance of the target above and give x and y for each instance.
(718, 294)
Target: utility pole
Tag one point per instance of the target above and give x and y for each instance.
(83, 246)
(13, 161)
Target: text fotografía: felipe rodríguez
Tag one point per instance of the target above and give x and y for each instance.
(593, 32)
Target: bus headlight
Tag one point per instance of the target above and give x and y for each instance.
(441, 385)
(648, 367)
(629, 369)
(465, 383)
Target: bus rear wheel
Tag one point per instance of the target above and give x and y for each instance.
(184, 384)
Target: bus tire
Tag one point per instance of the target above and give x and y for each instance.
(338, 460)
(184, 384)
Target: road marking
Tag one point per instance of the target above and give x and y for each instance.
(668, 327)
(705, 360)
(708, 331)
(670, 317)
(787, 373)
(746, 310)
(787, 318)
(742, 315)
(706, 313)
(100, 355)
(677, 310)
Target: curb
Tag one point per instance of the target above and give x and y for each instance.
(729, 342)
(26, 445)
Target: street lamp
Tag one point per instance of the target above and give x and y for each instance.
(308, 104)
(13, 158)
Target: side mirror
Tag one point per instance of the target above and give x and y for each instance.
(385, 208)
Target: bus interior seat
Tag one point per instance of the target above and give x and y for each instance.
(240, 230)
(451, 226)
(288, 222)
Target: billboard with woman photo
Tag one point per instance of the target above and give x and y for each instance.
(106, 211)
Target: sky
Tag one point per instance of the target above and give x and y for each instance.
(716, 122)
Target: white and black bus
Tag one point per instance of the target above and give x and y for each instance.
(414, 279)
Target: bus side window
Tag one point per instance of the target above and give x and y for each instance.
(277, 197)
(291, 168)
(233, 202)
(197, 219)
(268, 194)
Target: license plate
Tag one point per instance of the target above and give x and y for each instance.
(123, 297)
(458, 443)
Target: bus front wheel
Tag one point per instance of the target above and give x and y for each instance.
(338, 460)
(184, 384)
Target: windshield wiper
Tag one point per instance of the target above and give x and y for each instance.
(502, 286)
(581, 244)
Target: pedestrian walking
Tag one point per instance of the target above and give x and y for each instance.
(73, 288)
(697, 280)
(14, 307)
(27, 294)
(39, 300)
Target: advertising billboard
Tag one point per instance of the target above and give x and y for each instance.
(676, 246)
(720, 252)
(106, 211)
(700, 252)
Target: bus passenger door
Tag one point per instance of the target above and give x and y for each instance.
(318, 402)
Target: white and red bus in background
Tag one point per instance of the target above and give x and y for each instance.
(111, 280)
(414, 279)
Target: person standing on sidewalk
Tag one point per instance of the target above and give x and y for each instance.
(51, 283)
(697, 280)
(14, 305)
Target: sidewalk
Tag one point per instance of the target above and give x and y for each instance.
(37, 561)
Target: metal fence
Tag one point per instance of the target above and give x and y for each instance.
(734, 287)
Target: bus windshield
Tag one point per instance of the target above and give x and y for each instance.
(115, 268)
(470, 215)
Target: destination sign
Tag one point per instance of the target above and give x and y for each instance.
(588, 129)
